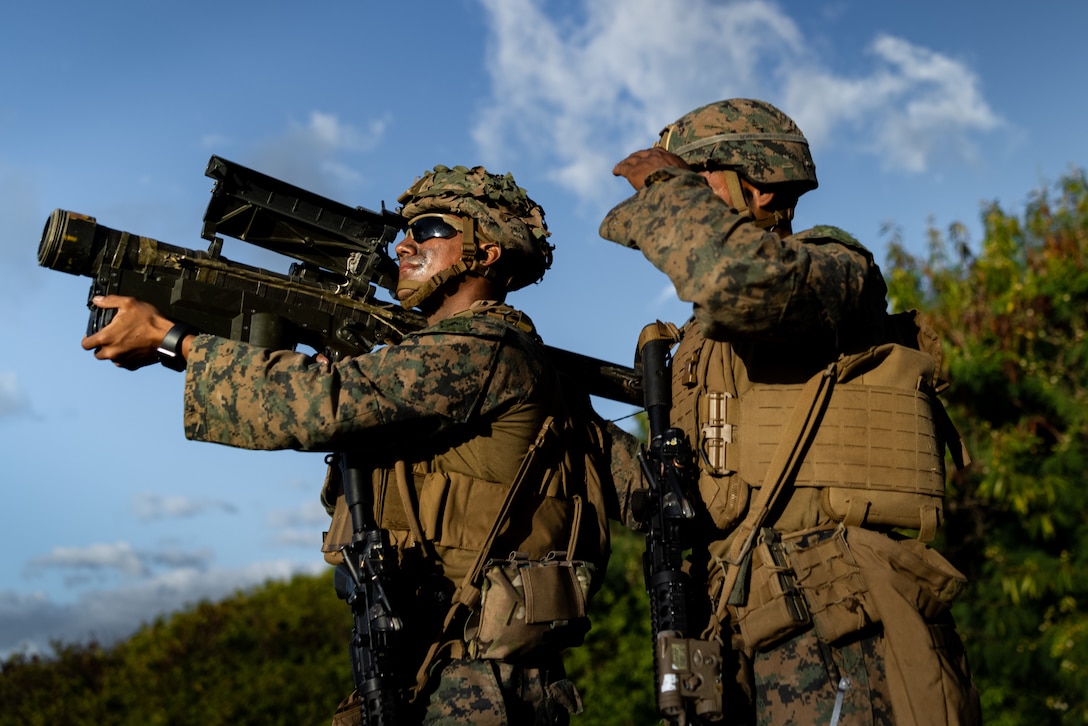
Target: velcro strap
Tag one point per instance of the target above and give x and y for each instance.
(856, 512)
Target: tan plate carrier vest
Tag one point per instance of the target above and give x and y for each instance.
(867, 435)
(876, 455)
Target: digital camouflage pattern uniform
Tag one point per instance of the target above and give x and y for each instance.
(769, 313)
(457, 404)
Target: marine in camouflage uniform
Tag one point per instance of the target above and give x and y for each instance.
(833, 614)
(442, 421)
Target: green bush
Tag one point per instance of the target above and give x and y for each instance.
(277, 655)
(1014, 318)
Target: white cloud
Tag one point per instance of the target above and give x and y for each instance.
(119, 556)
(328, 131)
(912, 105)
(180, 559)
(299, 526)
(315, 154)
(665, 296)
(98, 562)
(156, 506)
(310, 514)
(13, 399)
(308, 538)
(581, 93)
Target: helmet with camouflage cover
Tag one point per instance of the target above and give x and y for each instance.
(493, 208)
(752, 137)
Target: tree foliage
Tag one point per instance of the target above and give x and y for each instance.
(277, 655)
(614, 668)
(1013, 318)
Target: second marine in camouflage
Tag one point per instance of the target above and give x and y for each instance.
(818, 433)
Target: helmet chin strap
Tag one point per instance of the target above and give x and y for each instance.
(420, 291)
(740, 203)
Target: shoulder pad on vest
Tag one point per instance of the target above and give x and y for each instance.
(486, 320)
(454, 325)
(474, 326)
(823, 233)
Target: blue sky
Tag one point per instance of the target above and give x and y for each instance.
(916, 112)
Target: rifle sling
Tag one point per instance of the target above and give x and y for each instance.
(411, 508)
(798, 433)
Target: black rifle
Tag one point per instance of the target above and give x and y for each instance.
(367, 580)
(687, 671)
(326, 301)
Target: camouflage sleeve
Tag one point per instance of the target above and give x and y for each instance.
(743, 282)
(626, 473)
(253, 398)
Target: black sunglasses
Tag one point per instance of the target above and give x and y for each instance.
(428, 227)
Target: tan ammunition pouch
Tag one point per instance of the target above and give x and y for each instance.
(877, 456)
(837, 581)
(774, 609)
(528, 604)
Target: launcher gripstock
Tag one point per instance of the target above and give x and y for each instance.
(326, 301)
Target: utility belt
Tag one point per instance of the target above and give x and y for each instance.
(528, 612)
(814, 579)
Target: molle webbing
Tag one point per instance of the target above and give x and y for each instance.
(870, 437)
(877, 454)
